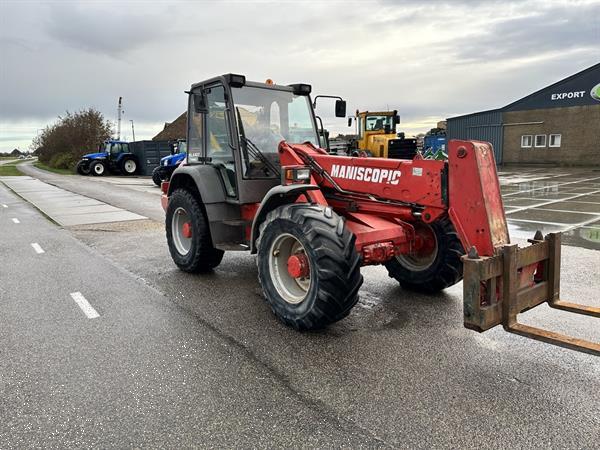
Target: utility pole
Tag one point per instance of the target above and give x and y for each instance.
(132, 129)
(119, 112)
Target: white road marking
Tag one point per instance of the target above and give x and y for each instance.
(85, 306)
(15, 220)
(37, 248)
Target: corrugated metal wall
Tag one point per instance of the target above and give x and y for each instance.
(483, 126)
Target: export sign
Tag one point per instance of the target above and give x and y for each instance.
(563, 95)
(594, 93)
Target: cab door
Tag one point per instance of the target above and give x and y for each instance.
(211, 156)
(219, 151)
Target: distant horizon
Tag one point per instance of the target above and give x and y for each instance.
(417, 58)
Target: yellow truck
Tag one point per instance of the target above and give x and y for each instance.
(376, 136)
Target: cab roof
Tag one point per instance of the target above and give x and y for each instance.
(236, 80)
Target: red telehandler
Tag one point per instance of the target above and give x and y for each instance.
(256, 179)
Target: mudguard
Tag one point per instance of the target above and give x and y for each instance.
(277, 196)
(204, 177)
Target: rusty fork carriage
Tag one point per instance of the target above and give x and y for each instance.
(498, 288)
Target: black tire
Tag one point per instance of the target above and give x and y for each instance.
(98, 168)
(202, 255)
(334, 265)
(83, 168)
(128, 166)
(443, 270)
(157, 176)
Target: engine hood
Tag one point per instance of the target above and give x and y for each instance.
(172, 159)
(96, 155)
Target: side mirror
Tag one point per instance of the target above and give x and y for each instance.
(349, 121)
(396, 119)
(200, 104)
(340, 108)
(172, 148)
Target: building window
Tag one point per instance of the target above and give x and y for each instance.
(540, 140)
(555, 140)
(526, 141)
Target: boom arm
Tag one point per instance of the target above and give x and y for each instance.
(466, 188)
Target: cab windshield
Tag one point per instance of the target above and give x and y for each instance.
(378, 123)
(266, 117)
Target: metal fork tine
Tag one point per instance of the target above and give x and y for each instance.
(551, 337)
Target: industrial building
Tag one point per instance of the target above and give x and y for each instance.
(559, 124)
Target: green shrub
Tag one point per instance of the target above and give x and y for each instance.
(62, 161)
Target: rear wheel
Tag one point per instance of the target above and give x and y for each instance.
(308, 266)
(98, 168)
(128, 166)
(188, 234)
(436, 266)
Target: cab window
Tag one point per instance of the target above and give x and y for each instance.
(195, 135)
(218, 150)
(378, 123)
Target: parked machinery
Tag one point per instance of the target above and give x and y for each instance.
(256, 179)
(376, 136)
(169, 163)
(112, 156)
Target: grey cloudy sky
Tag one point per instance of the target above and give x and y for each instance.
(428, 59)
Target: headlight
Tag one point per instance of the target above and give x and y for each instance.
(296, 174)
(166, 163)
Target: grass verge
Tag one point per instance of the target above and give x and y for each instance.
(10, 170)
(43, 166)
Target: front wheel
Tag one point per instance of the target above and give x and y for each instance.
(157, 175)
(436, 265)
(308, 266)
(83, 168)
(188, 234)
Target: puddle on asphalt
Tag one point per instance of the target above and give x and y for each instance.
(585, 237)
(518, 201)
(543, 215)
(574, 206)
(372, 313)
(368, 301)
(526, 230)
(592, 198)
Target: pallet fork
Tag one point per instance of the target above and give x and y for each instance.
(498, 288)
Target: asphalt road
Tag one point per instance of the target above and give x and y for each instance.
(146, 372)
(186, 360)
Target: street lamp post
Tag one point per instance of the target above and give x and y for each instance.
(132, 130)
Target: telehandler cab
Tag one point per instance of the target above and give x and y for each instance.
(256, 179)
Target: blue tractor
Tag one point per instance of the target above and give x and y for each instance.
(112, 156)
(168, 164)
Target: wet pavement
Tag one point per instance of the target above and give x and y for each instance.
(553, 199)
(185, 360)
